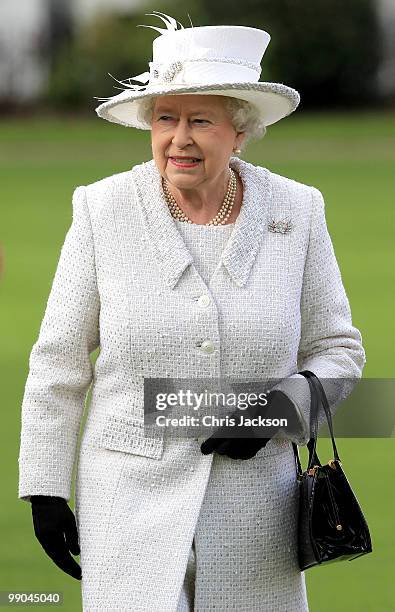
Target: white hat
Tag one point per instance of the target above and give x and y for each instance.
(209, 60)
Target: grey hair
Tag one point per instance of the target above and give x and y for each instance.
(243, 116)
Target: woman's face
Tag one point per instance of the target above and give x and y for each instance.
(197, 126)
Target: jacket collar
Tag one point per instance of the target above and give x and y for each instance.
(170, 249)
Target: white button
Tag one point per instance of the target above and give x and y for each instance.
(207, 346)
(204, 301)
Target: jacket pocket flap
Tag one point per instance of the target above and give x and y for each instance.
(127, 435)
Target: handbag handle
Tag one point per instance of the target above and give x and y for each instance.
(324, 401)
(313, 457)
(316, 392)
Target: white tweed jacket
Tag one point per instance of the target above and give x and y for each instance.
(126, 282)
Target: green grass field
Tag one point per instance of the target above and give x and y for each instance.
(351, 159)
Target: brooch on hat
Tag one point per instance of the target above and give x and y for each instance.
(172, 71)
(282, 226)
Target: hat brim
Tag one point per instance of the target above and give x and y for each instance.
(274, 101)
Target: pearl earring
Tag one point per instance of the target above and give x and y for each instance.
(237, 151)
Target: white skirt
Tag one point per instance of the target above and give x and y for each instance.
(246, 540)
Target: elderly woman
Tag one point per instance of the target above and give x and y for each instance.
(194, 264)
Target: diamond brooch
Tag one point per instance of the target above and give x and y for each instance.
(282, 226)
(172, 70)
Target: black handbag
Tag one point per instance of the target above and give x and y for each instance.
(331, 525)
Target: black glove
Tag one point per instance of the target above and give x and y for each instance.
(245, 447)
(56, 530)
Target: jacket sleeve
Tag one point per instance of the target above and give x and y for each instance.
(330, 346)
(60, 370)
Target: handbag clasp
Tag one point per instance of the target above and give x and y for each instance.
(313, 470)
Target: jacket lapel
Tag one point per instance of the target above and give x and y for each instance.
(171, 252)
(251, 224)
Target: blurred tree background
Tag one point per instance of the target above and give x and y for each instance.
(329, 50)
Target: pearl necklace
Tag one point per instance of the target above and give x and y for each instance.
(224, 212)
